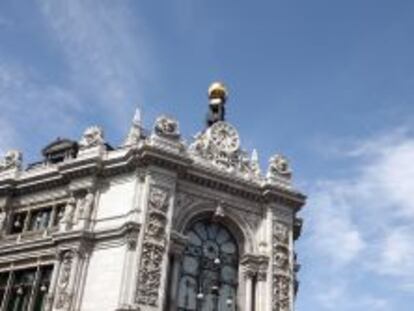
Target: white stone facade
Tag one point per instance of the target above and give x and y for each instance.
(113, 222)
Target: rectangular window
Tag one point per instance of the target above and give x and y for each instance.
(21, 290)
(26, 289)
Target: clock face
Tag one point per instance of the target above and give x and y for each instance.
(224, 136)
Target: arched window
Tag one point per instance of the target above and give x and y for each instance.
(209, 269)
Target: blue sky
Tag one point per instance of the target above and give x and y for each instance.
(327, 83)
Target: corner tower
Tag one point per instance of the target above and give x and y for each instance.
(154, 224)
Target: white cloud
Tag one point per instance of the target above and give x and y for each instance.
(107, 51)
(362, 225)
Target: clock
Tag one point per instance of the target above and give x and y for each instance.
(224, 137)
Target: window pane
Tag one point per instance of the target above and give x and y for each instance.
(3, 284)
(21, 290)
(40, 219)
(42, 290)
(209, 269)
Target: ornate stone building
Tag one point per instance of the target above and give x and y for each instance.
(155, 224)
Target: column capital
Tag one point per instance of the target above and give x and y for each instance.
(178, 243)
(255, 264)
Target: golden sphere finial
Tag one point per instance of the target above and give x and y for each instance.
(217, 90)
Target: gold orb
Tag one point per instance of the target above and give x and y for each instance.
(217, 90)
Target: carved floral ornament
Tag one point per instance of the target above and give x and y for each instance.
(11, 160)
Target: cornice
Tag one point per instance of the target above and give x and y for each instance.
(147, 153)
(25, 247)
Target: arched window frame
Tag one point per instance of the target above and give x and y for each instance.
(239, 228)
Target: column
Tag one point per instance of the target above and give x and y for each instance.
(177, 247)
(249, 290)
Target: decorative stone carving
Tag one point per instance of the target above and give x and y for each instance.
(280, 233)
(220, 145)
(282, 274)
(154, 248)
(92, 137)
(254, 264)
(166, 127)
(279, 168)
(281, 292)
(11, 160)
(63, 299)
(219, 212)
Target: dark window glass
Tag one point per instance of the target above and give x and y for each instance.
(21, 290)
(28, 289)
(3, 285)
(209, 269)
(42, 289)
(18, 220)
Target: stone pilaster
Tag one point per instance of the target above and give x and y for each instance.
(152, 275)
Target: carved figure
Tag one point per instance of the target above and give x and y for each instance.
(279, 168)
(12, 159)
(280, 233)
(158, 199)
(167, 127)
(93, 136)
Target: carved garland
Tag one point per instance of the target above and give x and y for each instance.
(281, 267)
(154, 248)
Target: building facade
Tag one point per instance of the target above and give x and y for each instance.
(155, 224)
